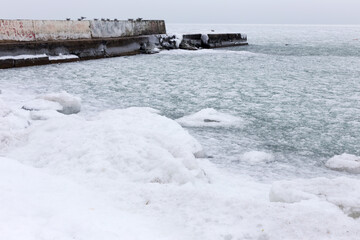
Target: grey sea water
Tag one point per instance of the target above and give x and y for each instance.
(297, 88)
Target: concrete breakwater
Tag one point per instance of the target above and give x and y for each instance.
(64, 41)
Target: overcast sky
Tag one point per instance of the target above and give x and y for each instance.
(191, 11)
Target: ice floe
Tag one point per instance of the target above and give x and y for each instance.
(209, 117)
(344, 162)
(257, 157)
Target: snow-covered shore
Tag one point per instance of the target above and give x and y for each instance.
(133, 174)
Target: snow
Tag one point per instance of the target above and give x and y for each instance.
(342, 192)
(131, 143)
(204, 38)
(63, 57)
(257, 157)
(23, 56)
(132, 174)
(42, 104)
(70, 104)
(211, 118)
(178, 39)
(344, 162)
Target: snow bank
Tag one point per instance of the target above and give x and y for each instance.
(342, 192)
(257, 157)
(132, 144)
(209, 117)
(344, 162)
(70, 104)
(35, 205)
(12, 124)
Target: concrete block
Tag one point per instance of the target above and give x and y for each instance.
(31, 61)
(6, 63)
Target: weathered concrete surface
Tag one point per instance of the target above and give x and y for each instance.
(17, 30)
(111, 29)
(54, 30)
(61, 30)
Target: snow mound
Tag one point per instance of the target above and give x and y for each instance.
(342, 192)
(132, 143)
(70, 104)
(209, 117)
(257, 157)
(344, 162)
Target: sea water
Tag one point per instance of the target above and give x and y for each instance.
(295, 88)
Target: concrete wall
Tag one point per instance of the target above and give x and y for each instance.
(17, 30)
(61, 30)
(47, 30)
(108, 29)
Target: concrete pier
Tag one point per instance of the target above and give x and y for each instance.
(48, 40)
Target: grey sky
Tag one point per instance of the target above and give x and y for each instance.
(191, 11)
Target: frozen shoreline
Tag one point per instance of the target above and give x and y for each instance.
(132, 174)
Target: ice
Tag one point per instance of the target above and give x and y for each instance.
(42, 104)
(342, 192)
(257, 157)
(70, 104)
(204, 38)
(131, 143)
(36, 205)
(130, 169)
(12, 124)
(63, 57)
(209, 117)
(344, 162)
(23, 56)
(178, 39)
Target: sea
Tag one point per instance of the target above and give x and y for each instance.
(296, 89)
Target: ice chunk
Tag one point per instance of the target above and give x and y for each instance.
(257, 157)
(209, 117)
(344, 162)
(342, 192)
(204, 38)
(70, 104)
(42, 104)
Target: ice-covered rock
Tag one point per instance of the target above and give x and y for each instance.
(344, 162)
(209, 117)
(342, 192)
(257, 157)
(70, 104)
(134, 144)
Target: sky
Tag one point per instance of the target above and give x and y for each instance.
(191, 11)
